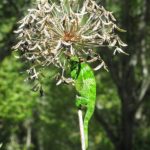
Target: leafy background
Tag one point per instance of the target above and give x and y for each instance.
(121, 120)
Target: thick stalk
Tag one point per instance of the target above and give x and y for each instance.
(81, 129)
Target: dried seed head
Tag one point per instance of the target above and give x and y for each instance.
(49, 32)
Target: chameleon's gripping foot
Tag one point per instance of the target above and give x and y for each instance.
(81, 101)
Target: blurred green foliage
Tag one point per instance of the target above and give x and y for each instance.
(31, 122)
(16, 101)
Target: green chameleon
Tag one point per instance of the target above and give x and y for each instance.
(85, 85)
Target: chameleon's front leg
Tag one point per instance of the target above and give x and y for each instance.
(81, 101)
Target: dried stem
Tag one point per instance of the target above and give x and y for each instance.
(81, 129)
(42, 1)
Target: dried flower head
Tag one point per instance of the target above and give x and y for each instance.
(49, 32)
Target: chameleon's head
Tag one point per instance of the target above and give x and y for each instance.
(74, 66)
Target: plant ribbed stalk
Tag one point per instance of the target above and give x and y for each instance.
(81, 129)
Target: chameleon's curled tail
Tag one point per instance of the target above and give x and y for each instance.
(87, 118)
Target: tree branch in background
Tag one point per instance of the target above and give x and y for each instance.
(145, 83)
(144, 89)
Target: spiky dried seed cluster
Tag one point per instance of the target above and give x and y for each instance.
(49, 32)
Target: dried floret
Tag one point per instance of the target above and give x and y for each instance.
(49, 32)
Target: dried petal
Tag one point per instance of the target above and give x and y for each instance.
(50, 33)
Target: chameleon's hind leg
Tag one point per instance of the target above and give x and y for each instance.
(81, 101)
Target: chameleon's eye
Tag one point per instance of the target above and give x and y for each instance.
(74, 63)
